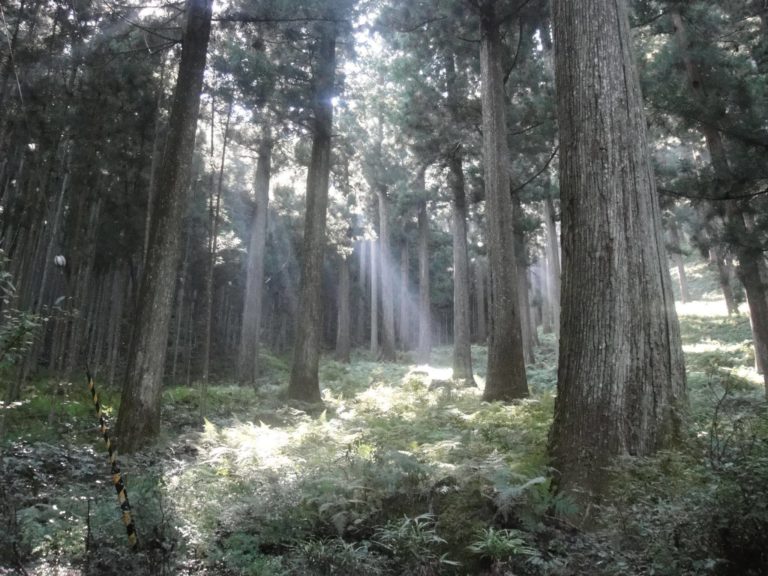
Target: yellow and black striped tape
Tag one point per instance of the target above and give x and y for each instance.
(117, 477)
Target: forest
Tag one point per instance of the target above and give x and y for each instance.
(384, 287)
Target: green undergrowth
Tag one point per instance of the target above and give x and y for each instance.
(400, 472)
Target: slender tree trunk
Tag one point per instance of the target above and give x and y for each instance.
(462, 351)
(250, 329)
(361, 292)
(404, 324)
(304, 384)
(506, 379)
(424, 350)
(717, 257)
(677, 258)
(553, 264)
(621, 378)
(210, 268)
(387, 281)
(527, 327)
(139, 418)
(343, 342)
(117, 301)
(480, 284)
(374, 298)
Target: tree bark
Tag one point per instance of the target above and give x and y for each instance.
(404, 324)
(621, 378)
(374, 298)
(424, 350)
(506, 378)
(388, 353)
(462, 350)
(553, 264)
(304, 384)
(213, 231)
(480, 283)
(139, 418)
(361, 292)
(677, 258)
(343, 342)
(527, 327)
(250, 330)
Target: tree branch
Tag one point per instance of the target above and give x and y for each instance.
(539, 173)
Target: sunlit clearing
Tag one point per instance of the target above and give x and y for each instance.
(702, 308)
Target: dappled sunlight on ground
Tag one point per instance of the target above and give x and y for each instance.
(263, 476)
(702, 308)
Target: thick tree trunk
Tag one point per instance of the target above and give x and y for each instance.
(180, 294)
(304, 384)
(157, 156)
(388, 353)
(424, 349)
(505, 379)
(621, 378)
(343, 342)
(462, 351)
(250, 330)
(139, 418)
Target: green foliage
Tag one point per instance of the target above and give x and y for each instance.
(336, 558)
(262, 488)
(17, 327)
(501, 544)
(413, 545)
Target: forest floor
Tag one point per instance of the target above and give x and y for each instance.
(400, 473)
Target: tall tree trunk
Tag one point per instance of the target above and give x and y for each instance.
(304, 384)
(553, 264)
(343, 342)
(480, 291)
(386, 279)
(746, 247)
(424, 350)
(462, 351)
(718, 258)
(374, 298)
(621, 378)
(527, 327)
(506, 379)
(361, 292)
(180, 295)
(139, 418)
(677, 258)
(213, 238)
(250, 330)
(157, 157)
(404, 323)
